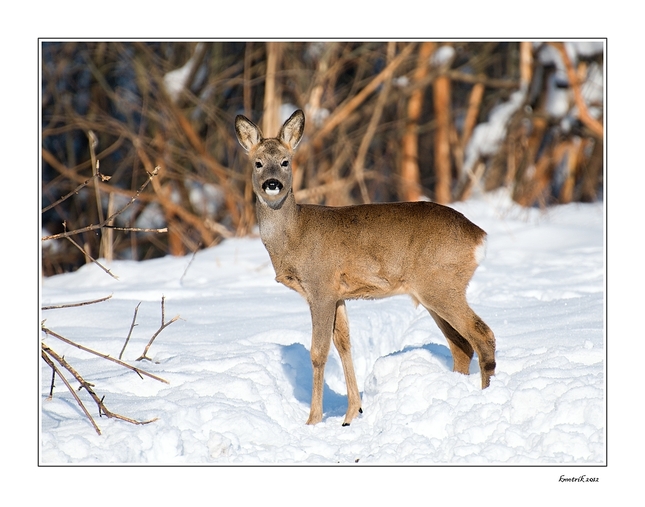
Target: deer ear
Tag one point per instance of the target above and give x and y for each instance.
(292, 130)
(248, 133)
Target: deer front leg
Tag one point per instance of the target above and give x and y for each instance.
(342, 344)
(322, 323)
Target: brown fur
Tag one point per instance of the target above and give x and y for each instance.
(330, 254)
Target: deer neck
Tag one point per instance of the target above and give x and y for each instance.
(277, 223)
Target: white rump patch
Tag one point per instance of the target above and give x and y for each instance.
(480, 251)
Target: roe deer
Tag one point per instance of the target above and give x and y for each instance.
(330, 254)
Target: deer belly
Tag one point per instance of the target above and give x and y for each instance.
(367, 286)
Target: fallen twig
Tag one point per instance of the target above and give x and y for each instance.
(51, 386)
(49, 356)
(163, 326)
(192, 258)
(48, 360)
(47, 351)
(138, 371)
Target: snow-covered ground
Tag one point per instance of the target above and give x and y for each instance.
(239, 373)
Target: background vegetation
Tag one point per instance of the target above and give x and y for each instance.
(385, 121)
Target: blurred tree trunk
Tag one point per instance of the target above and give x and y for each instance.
(531, 173)
(526, 63)
(474, 103)
(592, 174)
(272, 95)
(465, 181)
(441, 98)
(411, 184)
(570, 159)
(246, 94)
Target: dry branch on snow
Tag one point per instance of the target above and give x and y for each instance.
(50, 356)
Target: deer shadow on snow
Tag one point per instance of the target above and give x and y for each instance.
(296, 363)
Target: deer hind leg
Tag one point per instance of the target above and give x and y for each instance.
(454, 310)
(322, 321)
(342, 344)
(486, 350)
(462, 351)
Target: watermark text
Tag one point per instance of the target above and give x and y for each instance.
(581, 478)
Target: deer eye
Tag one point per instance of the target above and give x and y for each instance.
(258, 164)
(285, 163)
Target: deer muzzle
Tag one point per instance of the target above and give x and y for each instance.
(272, 187)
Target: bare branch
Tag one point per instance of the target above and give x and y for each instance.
(71, 305)
(104, 222)
(135, 229)
(163, 326)
(51, 386)
(344, 109)
(134, 318)
(67, 196)
(93, 143)
(92, 258)
(88, 387)
(359, 161)
(104, 356)
(189, 263)
(48, 360)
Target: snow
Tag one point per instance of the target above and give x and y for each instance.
(239, 373)
(443, 56)
(487, 136)
(175, 80)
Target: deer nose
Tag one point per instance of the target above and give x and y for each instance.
(272, 187)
